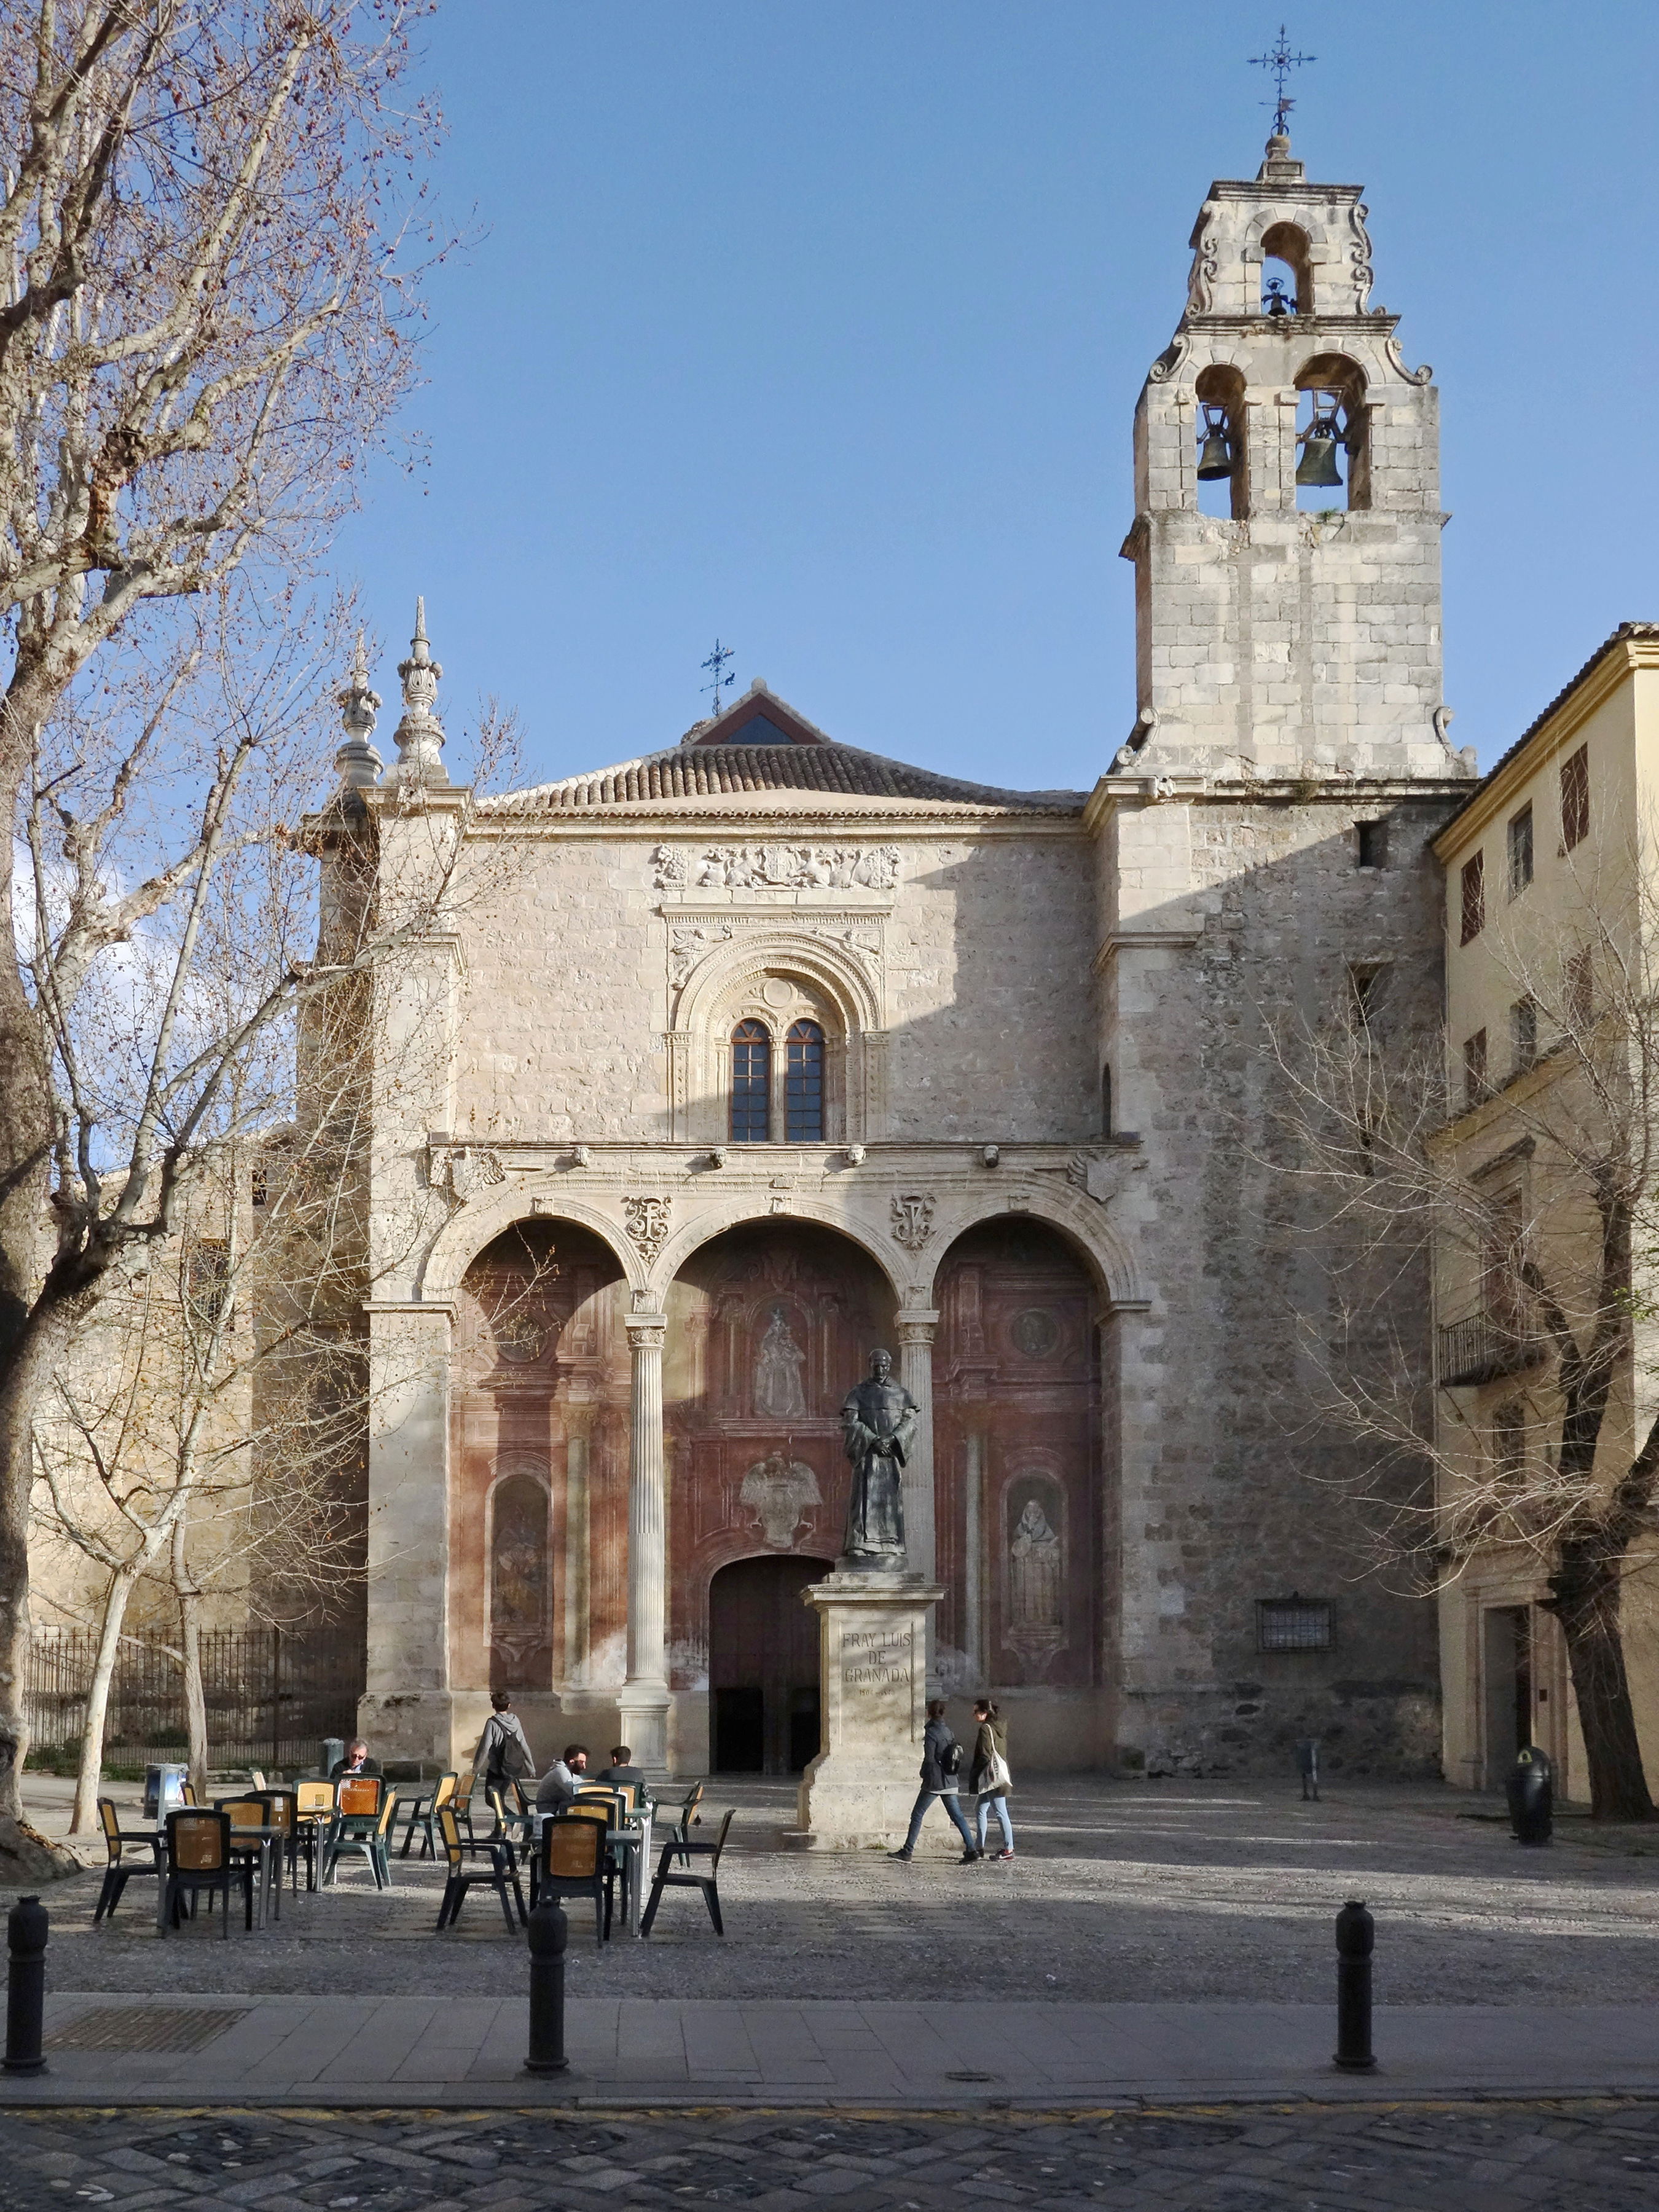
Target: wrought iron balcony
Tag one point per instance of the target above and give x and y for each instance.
(1483, 1346)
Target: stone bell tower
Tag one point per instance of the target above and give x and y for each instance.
(1270, 642)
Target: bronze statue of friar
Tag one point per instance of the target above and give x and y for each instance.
(878, 1428)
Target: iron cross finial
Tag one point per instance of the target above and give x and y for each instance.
(716, 665)
(1281, 61)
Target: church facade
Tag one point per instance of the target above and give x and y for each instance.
(760, 1050)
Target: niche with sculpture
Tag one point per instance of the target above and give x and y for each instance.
(520, 1582)
(1034, 1572)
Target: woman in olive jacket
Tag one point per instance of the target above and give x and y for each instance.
(992, 1741)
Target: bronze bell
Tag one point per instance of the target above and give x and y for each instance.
(1317, 467)
(1215, 461)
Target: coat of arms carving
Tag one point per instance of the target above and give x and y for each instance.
(779, 1492)
(648, 1221)
(913, 1219)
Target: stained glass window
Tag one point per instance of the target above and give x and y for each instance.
(751, 1084)
(804, 1083)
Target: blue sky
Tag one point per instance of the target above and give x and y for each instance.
(820, 327)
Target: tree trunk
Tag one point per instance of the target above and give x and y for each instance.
(1585, 1598)
(26, 1129)
(190, 1637)
(25, 1853)
(84, 1819)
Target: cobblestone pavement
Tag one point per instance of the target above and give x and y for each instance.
(1553, 2157)
(1120, 1891)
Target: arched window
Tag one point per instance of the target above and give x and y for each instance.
(1333, 438)
(1286, 272)
(1223, 461)
(751, 1084)
(803, 1084)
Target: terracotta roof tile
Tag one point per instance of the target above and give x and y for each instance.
(719, 771)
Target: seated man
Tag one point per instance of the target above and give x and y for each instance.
(356, 1761)
(558, 1784)
(619, 1770)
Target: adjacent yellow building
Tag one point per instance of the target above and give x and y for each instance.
(1551, 880)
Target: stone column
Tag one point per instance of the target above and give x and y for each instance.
(643, 1703)
(406, 1709)
(916, 1325)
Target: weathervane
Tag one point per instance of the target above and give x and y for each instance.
(1281, 61)
(716, 664)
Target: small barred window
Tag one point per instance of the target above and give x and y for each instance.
(1475, 897)
(803, 1084)
(1292, 1623)
(1575, 798)
(751, 1084)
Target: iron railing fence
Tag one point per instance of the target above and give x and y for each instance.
(271, 1693)
(1482, 1347)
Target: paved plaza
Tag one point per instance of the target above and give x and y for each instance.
(1122, 1894)
(1136, 2012)
(1550, 2157)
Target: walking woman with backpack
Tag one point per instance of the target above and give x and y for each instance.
(941, 1769)
(989, 1777)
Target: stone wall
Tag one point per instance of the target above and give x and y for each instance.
(1230, 1493)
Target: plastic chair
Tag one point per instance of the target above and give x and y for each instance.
(314, 1815)
(462, 1800)
(423, 1817)
(362, 1825)
(705, 1883)
(198, 1858)
(120, 1870)
(464, 1856)
(689, 1818)
(574, 1860)
(285, 1819)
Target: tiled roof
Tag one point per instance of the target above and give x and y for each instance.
(1626, 632)
(704, 771)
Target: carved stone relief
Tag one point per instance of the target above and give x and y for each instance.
(776, 867)
(648, 1221)
(519, 1586)
(467, 1167)
(913, 1219)
(780, 1491)
(1034, 1618)
(778, 1388)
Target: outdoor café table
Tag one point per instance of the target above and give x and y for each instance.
(244, 1843)
(632, 1843)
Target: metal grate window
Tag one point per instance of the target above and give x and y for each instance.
(1292, 1623)
(751, 1084)
(1475, 897)
(1575, 798)
(803, 1084)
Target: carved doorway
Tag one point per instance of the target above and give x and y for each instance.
(763, 1667)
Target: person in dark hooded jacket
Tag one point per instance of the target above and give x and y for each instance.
(938, 1780)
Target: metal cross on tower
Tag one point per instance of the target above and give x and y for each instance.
(1281, 61)
(719, 680)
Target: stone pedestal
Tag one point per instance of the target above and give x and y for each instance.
(873, 1666)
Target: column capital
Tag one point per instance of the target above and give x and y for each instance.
(645, 1330)
(916, 1324)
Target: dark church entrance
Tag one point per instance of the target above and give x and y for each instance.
(763, 1666)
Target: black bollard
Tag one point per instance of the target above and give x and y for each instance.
(1355, 1932)
(1530, 1790)
(26, 1985)
(549, 1934)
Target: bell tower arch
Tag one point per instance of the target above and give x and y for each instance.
(1295, 630)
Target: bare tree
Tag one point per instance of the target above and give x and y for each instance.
(205, 327)
(1533, 1185)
